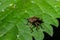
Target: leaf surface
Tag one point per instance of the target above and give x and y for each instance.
(14, 15)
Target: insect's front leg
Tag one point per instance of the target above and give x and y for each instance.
(37, 24)
(30, 26)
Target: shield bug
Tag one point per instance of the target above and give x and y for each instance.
(35, 21)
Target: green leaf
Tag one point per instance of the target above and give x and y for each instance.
(38, 35)
(5, 4)
(10, 35)
(47, 28)
(51, 20)
(14, 15)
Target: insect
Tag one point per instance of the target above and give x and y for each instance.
(35, 21)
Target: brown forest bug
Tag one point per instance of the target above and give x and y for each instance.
(35, 21)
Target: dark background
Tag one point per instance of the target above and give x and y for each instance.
(56, 35)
